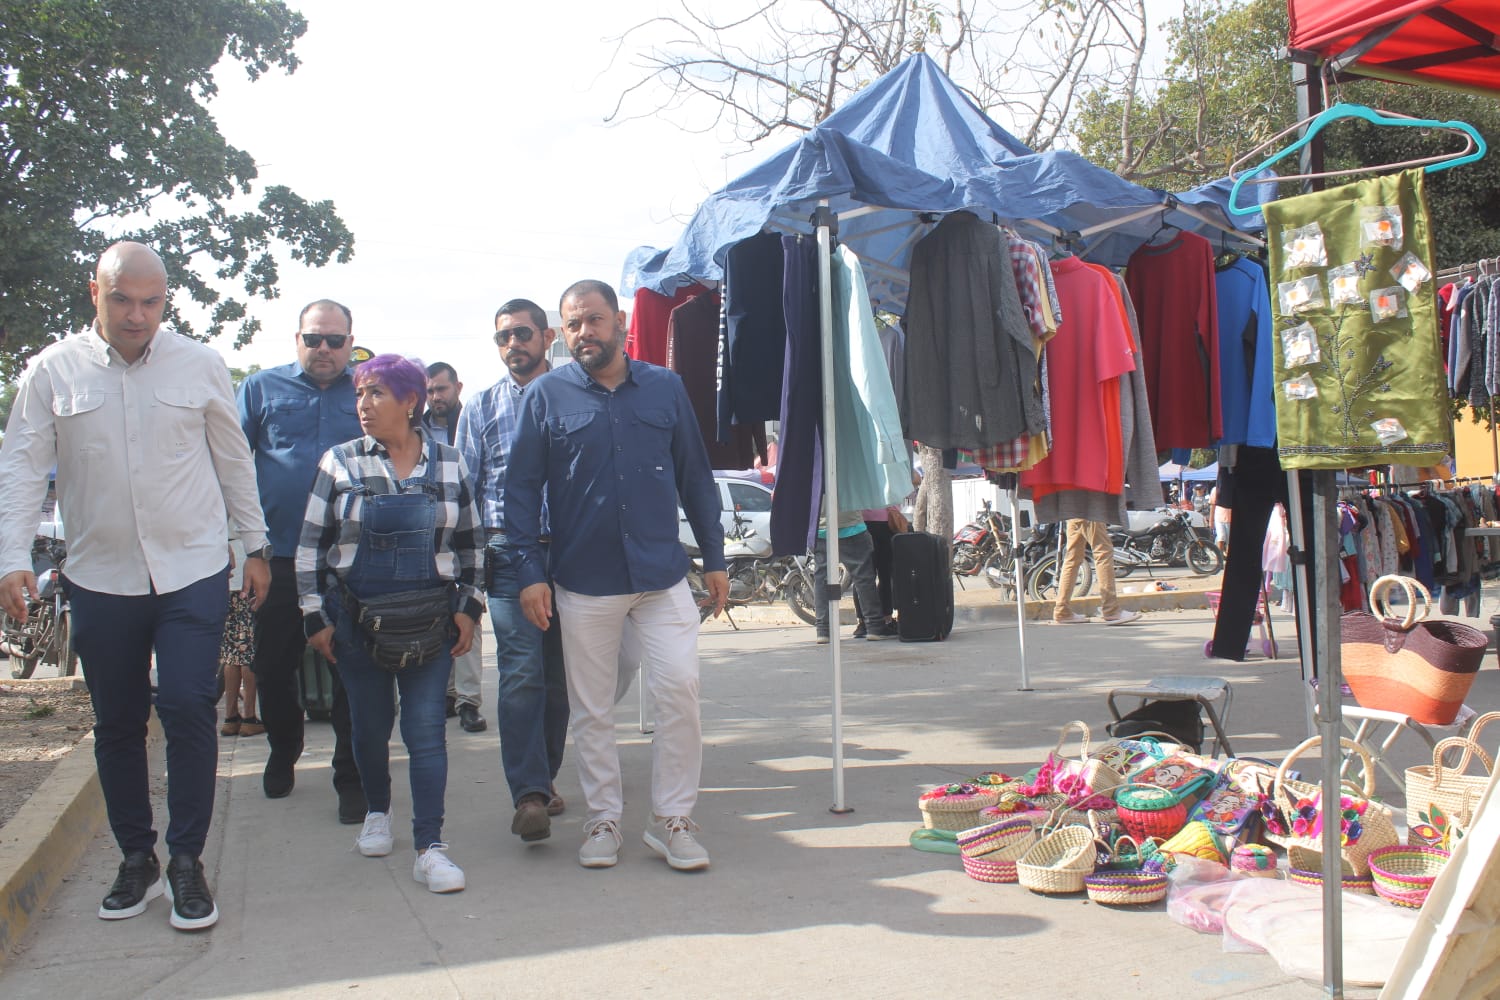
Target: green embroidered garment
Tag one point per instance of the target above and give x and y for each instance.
(1372, 392)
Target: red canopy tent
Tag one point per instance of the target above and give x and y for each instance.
(1446, 43)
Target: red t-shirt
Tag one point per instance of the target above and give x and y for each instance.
(647, 338)
(1085, 360)
(1172, 288)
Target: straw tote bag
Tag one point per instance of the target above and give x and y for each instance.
(1419, 668)
(1440, 800)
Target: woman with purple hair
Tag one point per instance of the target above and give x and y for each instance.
(391, 524)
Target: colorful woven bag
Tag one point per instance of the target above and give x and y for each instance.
(1419, 668)
(1295, 815)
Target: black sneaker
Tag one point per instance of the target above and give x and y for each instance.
(193, 906)
(280, 775)
(352, 805)
(859, 631)
(138, 883)
(885, 630)
(471, 720)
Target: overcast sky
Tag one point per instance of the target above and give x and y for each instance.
(465, 147)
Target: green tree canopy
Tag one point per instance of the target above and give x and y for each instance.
(1228, 87)
(105, 134)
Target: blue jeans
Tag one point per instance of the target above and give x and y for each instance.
(533, 702)
(115, 635)
(372, 713)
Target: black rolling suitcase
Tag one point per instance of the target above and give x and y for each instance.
(921, 586)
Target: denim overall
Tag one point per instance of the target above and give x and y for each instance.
(395, 553)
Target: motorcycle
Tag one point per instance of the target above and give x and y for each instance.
(981, 544)
(46, 636)
(1172, 541)
(754, 576)
(1043, 554)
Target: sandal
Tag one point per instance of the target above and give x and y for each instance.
(251, 726)
(231, 726)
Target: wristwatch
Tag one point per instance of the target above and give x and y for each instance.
(264, 552)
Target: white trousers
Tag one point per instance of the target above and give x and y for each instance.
(666, 629)
(468, 671)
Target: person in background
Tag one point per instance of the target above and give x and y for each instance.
(441, 419)
(532, 712)
(151, 471)
(616, 446)
(882, 523)
(1221, 516)
(237, 653)
(857, 555)
(291, 415)
(392, 512)
(1093, 535)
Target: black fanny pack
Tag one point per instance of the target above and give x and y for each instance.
(404, 629)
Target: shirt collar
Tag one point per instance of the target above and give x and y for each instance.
(301, 373)
(374, 447)
(587, 380)
(516, 388)
(105, 354)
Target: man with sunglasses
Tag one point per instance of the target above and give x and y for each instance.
(291, 415)
(533, 702)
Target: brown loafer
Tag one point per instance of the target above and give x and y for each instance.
(251, 726)
(555, 805)
(531, 822)
(231, 726)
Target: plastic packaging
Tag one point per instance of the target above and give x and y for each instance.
(1301, 387)
(1300, 296)
(1388, 430)
(1299, 346)
(1380, 226)
(1304, 247)
(1343, 285)
(1388, 304)
(1197, 893)
(1410, 273)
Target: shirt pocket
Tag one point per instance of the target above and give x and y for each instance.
(179, 419)
(653, 430)
(286, 421)
(81, 420)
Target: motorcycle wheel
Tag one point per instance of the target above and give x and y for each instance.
(1041, 582)
(67, 656)
(1204, 559)
(799, 597)
(1123, 567)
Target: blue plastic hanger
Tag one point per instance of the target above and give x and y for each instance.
(1474, 151)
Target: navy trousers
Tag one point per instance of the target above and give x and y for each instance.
(115, 636)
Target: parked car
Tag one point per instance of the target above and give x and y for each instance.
(751, 498)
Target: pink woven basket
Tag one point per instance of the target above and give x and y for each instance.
(982, 869)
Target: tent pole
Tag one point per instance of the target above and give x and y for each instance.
(1015, 541)
(1322, 544)
(825, 221)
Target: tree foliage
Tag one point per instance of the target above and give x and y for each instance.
(772, 65)
(1227, 88)
(105, 134)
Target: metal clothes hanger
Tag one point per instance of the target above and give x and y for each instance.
(1474, 149)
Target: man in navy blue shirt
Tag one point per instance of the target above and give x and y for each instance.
(617, 447)
(291, 415)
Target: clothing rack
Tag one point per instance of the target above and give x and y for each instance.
(1485, 265)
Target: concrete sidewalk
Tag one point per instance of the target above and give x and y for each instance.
(799, 901)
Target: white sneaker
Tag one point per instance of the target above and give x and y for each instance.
(436, 870)
(672, 838)
(1123, 618)
(375, 840)
(601, 848)
(1072, 618)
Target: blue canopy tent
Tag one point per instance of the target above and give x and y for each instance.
(878, 174)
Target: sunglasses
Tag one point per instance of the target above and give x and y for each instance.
(521, 335)
(313, 341)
